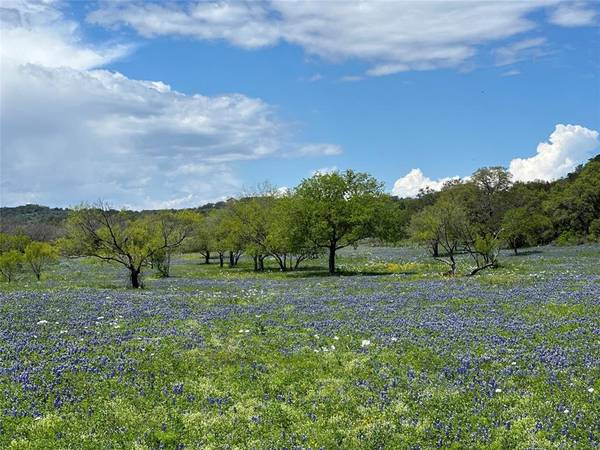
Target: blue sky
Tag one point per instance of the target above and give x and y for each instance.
(426, 89)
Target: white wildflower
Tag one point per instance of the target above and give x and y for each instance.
(365, 343)
(42, 322)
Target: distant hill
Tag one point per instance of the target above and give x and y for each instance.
(44, 224)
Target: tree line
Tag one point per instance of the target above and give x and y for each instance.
(476, 217)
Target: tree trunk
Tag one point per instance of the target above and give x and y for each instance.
(207, 258)
(231, 260)
(452, 265)
(255, 259)
(332, 258)
(515, 249)
(436, 251)
(134, 276)
(220, 259)
(261, 263)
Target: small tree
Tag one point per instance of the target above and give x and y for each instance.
(38, 256)
(444, 223)
(10, 264)
(341, 209)
(116, 236)
(167, 227)
(515, 228)
(289, 234)
(202, 238)
(13, 242)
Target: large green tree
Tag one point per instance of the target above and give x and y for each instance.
(342, 209)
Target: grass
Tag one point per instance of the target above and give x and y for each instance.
(390, 354)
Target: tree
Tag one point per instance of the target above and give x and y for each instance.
(16, 242)
(201, 240)
(289, 233)
(515, 228)
(575, 202)
(116, 236)
(487, 209)
(341, 209)
(443, 223)
(166, 227)
(10, 263)
(39, 255)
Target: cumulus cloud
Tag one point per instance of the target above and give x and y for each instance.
(72, 131)
(410, 184)
(568, 146)
(574, 15)
(38, 33)
(391, 36)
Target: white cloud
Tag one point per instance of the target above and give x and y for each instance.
(568, 146)
(391, 36)
(351, 78)
(324, 171)
(411, 183)
(574, 15)
(318, 150)
(519, 51)
(73, 132)
(37, 33)
(511, 73)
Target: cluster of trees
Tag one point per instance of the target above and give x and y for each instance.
(476, 216)
(19, 251)
(487, 211)
(323, 214)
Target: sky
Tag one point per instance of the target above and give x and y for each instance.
(176, 104)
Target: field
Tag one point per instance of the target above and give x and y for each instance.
(388, 355)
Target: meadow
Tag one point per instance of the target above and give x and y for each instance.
(389, 354)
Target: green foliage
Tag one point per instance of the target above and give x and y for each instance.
(574, 205)
(119, 237)
(521, 228)
(341, 208)
(444, 225)
(515, 228)
(38, 256)
(568, 237)
(595, 230)
(10, 242)
(10, 264)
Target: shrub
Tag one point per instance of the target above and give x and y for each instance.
(10, 264)
(39, 255)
